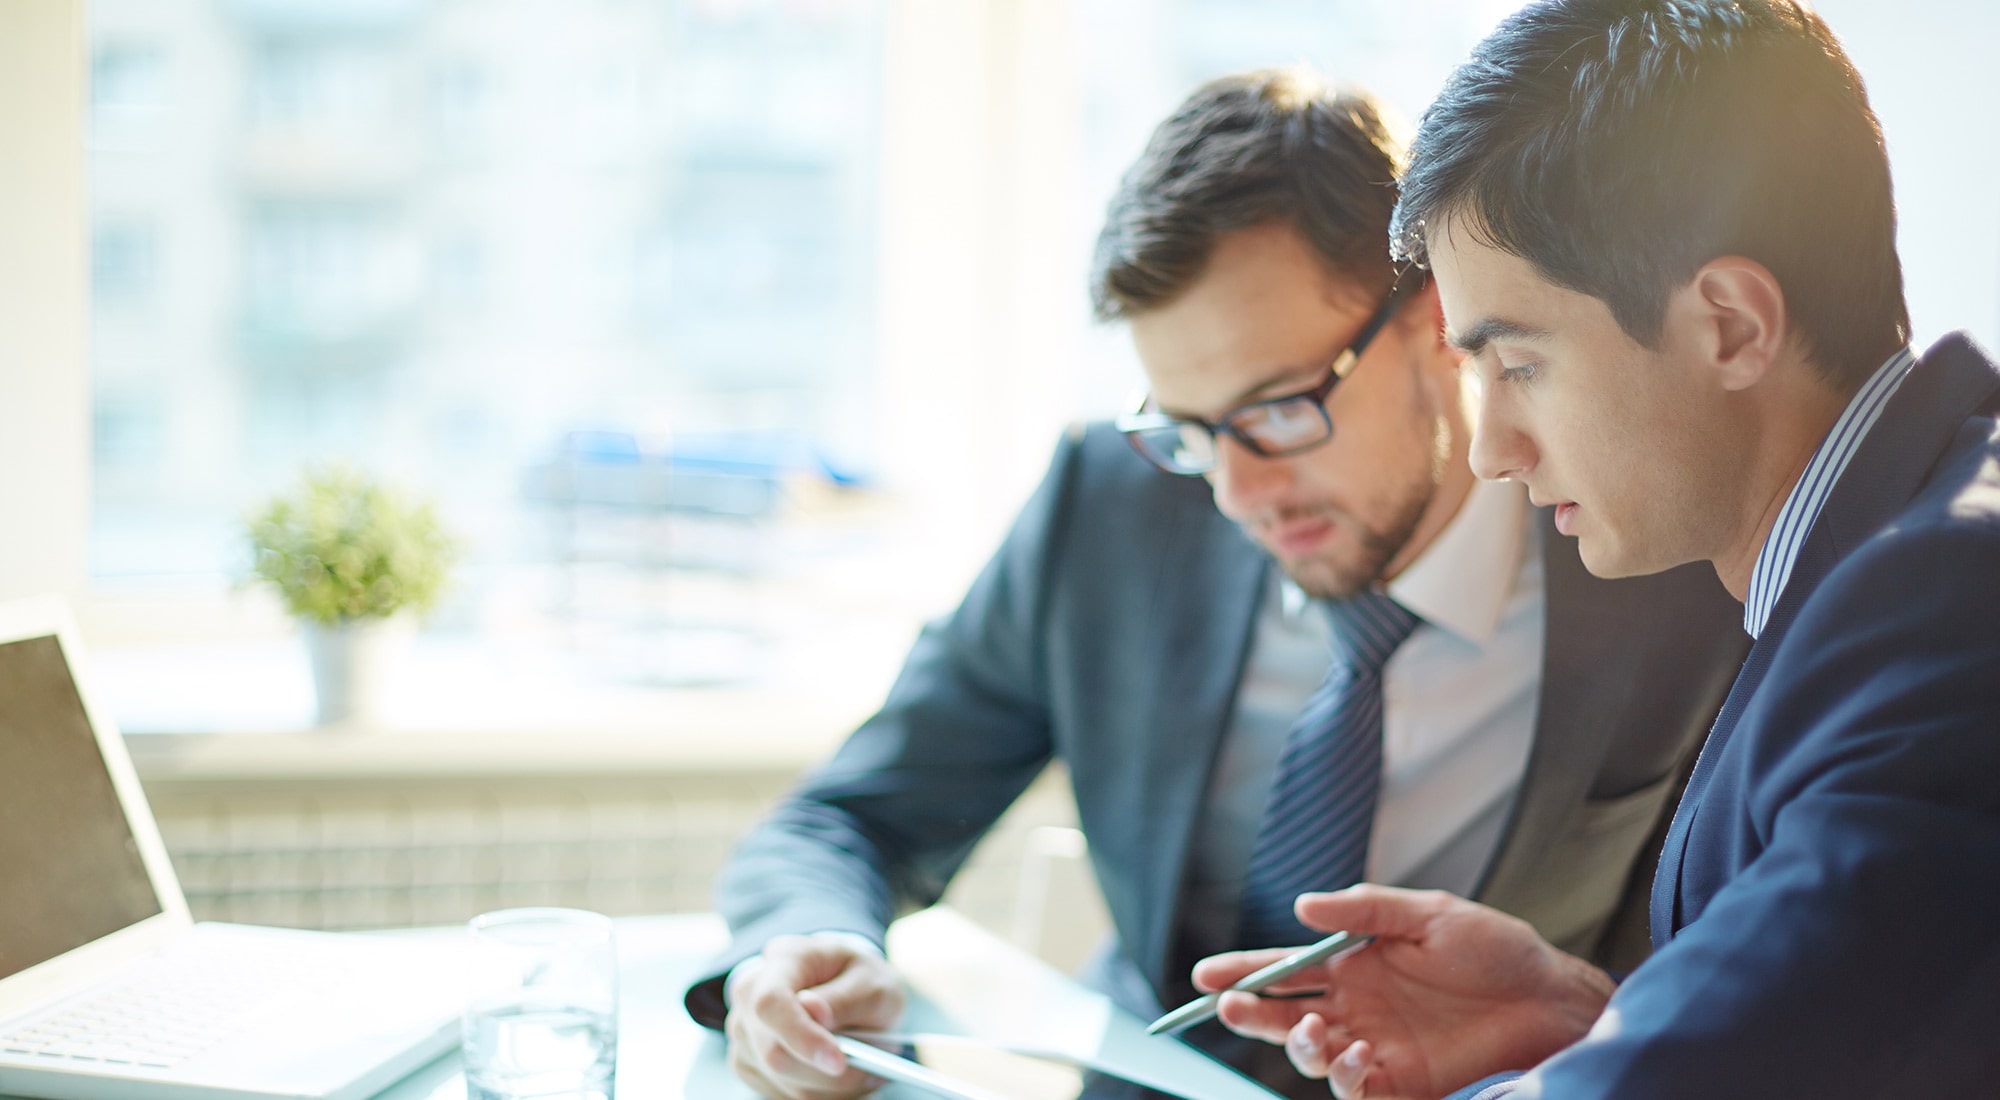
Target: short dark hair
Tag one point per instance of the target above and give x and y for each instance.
(1619, 145)
(1276, 146)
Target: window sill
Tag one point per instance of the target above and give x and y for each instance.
(243, 711)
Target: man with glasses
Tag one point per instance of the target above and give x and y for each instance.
(1398, 676)
(1664, 233)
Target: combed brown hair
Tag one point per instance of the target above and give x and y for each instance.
(1276, 146)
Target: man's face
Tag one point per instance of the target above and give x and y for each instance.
(1264, 320)
(1629, 443)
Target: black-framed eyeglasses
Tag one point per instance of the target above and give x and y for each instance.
(1276, 427)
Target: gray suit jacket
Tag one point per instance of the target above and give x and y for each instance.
(1111, 630)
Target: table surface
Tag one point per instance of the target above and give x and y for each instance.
(963, 981)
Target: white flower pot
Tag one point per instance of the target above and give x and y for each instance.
(353, 663)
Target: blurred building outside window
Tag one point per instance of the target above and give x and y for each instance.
(728, 333)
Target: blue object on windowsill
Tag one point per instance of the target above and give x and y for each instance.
(725, 474)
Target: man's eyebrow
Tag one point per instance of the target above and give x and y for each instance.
(1474, 340)
(1287, 381)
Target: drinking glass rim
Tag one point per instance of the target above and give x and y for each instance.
(499, 922)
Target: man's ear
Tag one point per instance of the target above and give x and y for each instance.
(1737, 310)
(1422, 319)
(1423, 314)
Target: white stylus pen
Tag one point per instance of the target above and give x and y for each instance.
(883, 1064)
(1204, 1006)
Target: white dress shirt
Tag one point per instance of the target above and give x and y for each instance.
(1459, 704)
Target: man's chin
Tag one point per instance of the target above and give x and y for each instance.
(1325, 580)
(1609, 560)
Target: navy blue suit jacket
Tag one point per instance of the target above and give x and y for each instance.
(1827, 908)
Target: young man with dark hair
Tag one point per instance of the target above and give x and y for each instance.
(1399, 674)
(1663, 232)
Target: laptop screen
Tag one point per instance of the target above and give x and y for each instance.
(70, 869)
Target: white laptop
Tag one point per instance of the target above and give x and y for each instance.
(108, 991)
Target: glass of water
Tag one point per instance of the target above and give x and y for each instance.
(552, 1032)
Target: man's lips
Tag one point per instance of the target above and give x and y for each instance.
(1296, 538)
(1565, 511)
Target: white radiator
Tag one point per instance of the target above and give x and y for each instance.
(351, 854)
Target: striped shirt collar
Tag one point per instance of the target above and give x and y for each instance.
(1795, 520)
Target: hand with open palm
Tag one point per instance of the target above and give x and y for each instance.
(1450, 991)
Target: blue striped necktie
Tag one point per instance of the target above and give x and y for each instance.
(1322, 805)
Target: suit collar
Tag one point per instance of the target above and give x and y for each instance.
(1809, 494)
(1211, 582)
(1953, 381)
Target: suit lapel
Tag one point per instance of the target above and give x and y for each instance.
(1210, 593)
(1569, 742)
(1953, 381)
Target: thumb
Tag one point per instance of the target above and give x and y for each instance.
(817, 1008)
(859, 995)
(1385, 912)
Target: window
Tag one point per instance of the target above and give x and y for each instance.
(457, 242)
(822, 259)
(124, 264)
(128, 88)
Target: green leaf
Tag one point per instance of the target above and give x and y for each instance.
(344, 546)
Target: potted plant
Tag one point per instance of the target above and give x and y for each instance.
(354, 560)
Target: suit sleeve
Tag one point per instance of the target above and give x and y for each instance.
(882, 827)
(1858, 952)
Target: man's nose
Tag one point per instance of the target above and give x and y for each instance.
(1246, 482)
(1500, 449)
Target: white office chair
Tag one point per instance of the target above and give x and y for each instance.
(1059, 915)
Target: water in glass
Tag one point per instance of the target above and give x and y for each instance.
(515, 1052)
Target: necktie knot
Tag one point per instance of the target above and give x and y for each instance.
(1367, 628)
(1321, 811)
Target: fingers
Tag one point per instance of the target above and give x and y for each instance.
(817, 1009)
(1385, 912)
(1319, 1049)
(787, 1005)
(801, 962)
(772, 1072)
(1219, 972)
(1312, 1046)
(1347, 1074)
(1262, 1018)
(766, 1082)
(779, 1023)
(865, 995)
(1306, 1045)
(772, 1033)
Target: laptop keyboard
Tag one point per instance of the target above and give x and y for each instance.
(187, 1003)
